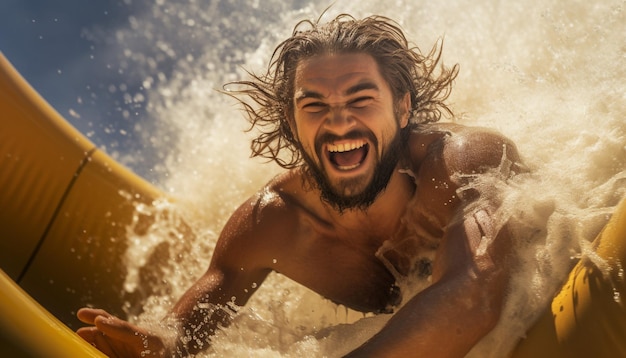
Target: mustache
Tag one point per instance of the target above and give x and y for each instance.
(326, 138)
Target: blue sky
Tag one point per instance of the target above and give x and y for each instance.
(45, 41)
(60, 47)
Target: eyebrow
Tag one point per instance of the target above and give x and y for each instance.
(361, 87)
(367, 85)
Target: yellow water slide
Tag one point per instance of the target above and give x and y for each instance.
(587, 318)
(65, 207)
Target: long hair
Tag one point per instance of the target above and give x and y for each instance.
(403, 67)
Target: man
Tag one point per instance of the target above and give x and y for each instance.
(373, 194)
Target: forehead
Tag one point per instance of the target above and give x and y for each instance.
(334, 71)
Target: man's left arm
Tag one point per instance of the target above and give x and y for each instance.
(470, 273)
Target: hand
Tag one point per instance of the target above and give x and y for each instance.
(116, 337)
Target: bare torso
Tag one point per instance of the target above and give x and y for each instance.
(417, 226)
(355, 258)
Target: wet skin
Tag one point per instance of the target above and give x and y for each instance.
(287, 228)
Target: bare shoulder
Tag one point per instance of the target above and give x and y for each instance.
(463, 149)
(444, 157)
(254, 231)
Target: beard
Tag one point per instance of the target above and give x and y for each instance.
(317, 177)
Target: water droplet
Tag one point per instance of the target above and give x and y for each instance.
(616, 296)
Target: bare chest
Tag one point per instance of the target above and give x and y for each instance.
(357, 269)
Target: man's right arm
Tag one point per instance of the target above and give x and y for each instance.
(211, 303)
(240, 263)
(238, 266)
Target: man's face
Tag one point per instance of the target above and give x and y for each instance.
(348, 125)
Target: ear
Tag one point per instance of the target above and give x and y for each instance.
(404, 108)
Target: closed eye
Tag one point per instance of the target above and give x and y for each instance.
(361, 102)
(314, 107)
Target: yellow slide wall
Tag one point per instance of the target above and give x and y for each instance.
(64, 210)
(587, 318)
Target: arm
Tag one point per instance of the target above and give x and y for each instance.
(470, 273)
(461, 306)
(237, 269)
(191, 323)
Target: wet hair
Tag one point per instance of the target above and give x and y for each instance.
(404, 68)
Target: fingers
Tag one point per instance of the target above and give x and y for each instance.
(89, 315)
(107, 324)
(116, 337)
(119, 329)
(95, 335)
(130, 334)
(103, 345)
(96, 339)
(88, 334)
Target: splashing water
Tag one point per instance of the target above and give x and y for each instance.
(548, 74)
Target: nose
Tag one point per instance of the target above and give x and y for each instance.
(339, 121)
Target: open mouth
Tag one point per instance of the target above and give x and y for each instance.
(347, 155)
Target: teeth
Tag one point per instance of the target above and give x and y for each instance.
(345, 147)
(349, 167)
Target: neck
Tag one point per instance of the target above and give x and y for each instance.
(385, 211)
